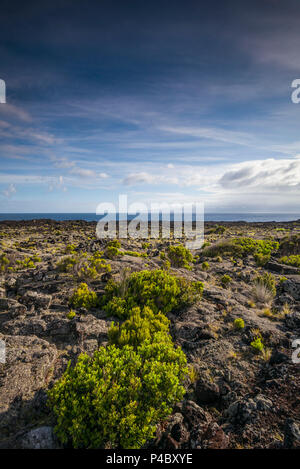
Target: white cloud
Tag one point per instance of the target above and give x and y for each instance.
(9, 191)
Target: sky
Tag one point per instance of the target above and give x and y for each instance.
(180, 101)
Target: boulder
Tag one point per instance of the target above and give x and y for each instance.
(38, 300)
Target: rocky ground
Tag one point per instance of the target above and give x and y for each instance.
(235, 398)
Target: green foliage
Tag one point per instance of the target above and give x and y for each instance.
(205, 266)
(67, 263)
(26, 263)
(114, 243)
(226, 280)
(290, 245)
(83, 297)
(4, 262)
(261, 259)
(142, 325)
(268, 280)
(257, 345)
(241, 247)
(135, 254)
(112, 252)
(117, 397)
(70, 249)
(84, 266)
(239, 323)
(71, 314)
(180, 256)
(293, 260)
(146, 245)
(218, 229)
(156, 289)
(282, 280)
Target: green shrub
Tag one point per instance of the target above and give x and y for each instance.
(70, 249)
(83, 297)
(142, 325)
(112, 252)
(261, 259)
(135, 254)
(67, 263)
(71, 314)
(226, 280)
(268, 281)
(114, 243)
(241, 247)
(257, 345)
(84, 266)
(239, 323)
(26, 263)
(293, 260)
(156, 289)
(205, 266)
(4, 262)
(116, 398)
(180, 256)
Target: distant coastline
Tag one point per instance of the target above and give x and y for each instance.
(249, 217)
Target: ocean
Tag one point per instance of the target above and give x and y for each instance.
(218, 217)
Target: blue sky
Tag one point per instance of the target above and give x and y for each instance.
(163, 101)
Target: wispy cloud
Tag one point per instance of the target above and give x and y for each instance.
(9, 191)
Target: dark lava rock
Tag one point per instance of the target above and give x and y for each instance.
(206, 392)
(291, 434)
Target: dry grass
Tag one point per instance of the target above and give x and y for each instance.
(261, 294)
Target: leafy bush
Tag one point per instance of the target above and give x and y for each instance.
(226, 280)
(83, 297)
(4, 262)
(180, 256)
(84, 266)
(71, 314)
(117, 397)
(112, 252)
(135, 254)
(241, 247)
(261, 259)
(142, 325)
(290, 245)
(293, 260)
(114, 243)
(156, 289)
(239, 323)
(26, 263)
(257, 345)
(205, 265)
(218, 229)
(70, 249)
